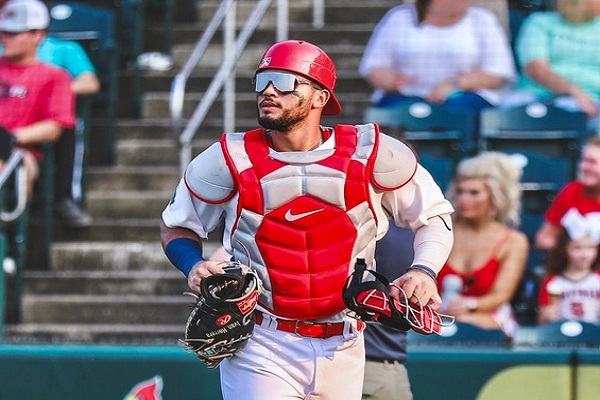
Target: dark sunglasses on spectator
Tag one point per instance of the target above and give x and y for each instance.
(282, 81)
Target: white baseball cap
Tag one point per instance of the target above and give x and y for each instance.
(23, 15)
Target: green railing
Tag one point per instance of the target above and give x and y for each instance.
(2, 283)
(111, 372)
(13, 220)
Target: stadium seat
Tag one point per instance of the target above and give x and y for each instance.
(539, 128)
(440, 168)
(129, 21)
(129, 34)
(440, 136)
(94, 29)
(460, 334)
(564, 334)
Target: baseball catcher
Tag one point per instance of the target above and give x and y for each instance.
(367, 294)
(222, 319)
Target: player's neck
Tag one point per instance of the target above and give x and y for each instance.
(23, 60)
(576, 273)
(296, 139)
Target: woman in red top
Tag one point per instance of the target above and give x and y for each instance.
(488, 257)
(582, 194)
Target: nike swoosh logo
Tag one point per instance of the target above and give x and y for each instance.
(294, 217)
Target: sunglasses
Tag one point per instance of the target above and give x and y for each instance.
(282, 81)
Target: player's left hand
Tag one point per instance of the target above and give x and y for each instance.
(419, 287)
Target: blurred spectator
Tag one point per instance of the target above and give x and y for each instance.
(488, 255)
(518, 10)
(36, 102)
(69, 149)
(559, 55)
(442, 51)
(386, 377)
(582, 194)
(571, 289)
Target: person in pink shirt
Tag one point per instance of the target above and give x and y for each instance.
(36, 101)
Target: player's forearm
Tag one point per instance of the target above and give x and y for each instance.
(540, 71)
(479, 80)
(85, 84)
(384, 79)
(39, 132)
(182, 247)
(433, 242)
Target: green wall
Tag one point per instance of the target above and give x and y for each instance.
(61, 372)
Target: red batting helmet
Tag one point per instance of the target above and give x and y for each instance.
(305, 59)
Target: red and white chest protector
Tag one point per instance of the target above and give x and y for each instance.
(303, 221)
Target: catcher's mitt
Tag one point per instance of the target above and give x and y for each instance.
(222, 319)
(367, 293)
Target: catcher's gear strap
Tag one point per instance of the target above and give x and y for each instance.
(371, 300)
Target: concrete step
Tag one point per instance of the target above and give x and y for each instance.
(107, 309)
(128, 204)
(345, 56)
(156, 104)
(348, 81)
(357, 31)
(134, 178)
(300, 11)
(114, 258)
(112, 230)
(146, 128)
(108, 256)
(98, 282)
(160, 153)
(148, 334)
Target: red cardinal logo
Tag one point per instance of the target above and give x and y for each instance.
(147, 390)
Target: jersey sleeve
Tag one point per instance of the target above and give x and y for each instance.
(202, 195)
(497, 57)
(533, 41)
(561, 204)
(414, 196)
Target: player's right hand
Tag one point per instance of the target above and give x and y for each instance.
(203, 269)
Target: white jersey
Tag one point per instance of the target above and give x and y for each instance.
(578, 300)
(430, 55)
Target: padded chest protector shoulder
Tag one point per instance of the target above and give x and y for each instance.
(304, 221)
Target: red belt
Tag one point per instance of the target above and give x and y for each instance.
(322, 330)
